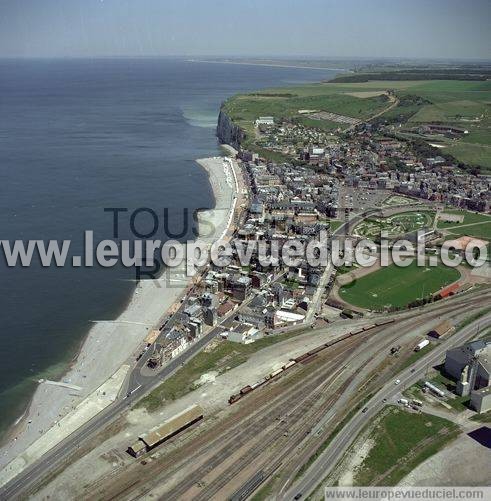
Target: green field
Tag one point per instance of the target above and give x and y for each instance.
(397, 225)
(460, 103)
(285, 103)
(474, 224)
(403, 440)
(474, 154)
(393, 286)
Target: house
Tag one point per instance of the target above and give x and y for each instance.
(225, 308)
(264, 121)
(242, 333)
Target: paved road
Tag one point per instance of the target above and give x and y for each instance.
(329, 271)
(138, 385)
(341, 442)
(59, 453)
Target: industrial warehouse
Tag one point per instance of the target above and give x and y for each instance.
(469, 365)
(168, 429)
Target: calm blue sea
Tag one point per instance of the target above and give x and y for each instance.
(78, 136)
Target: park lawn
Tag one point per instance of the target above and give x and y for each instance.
(474, 224)
(469, 218)
(403, 440)
(482, 231)
(394, 286)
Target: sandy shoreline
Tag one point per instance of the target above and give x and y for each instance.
(270, 65)
(113, 342)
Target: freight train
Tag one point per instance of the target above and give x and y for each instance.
(304, 358)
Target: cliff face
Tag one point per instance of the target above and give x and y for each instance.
(228, 132)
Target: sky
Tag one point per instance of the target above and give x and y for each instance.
(456, 29)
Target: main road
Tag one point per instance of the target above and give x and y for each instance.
(138, 385)
(54, 458)
(328, 459)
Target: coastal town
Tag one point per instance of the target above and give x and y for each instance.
(311, 348)
(245, 251)
(367, 170)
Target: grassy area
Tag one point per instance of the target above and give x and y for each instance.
(474, 224)
(291, 284)
(453, 102)
(335, 224)
(285, 104)
(325, 125)
(341, 270)
(482, 231)
(393, 286)
(395, 200)
(472, 318)
(474, 154)
(225, 356)
(403, 440)
(441, 380)
(272, 156)
(485, 417)
(266, 491)
(248, 107)
(469, 218)
(461, 104)
(416, 355)
(486, 335)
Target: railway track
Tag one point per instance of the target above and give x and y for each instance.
(204, 453)
(285, 457)
(269, 404)
(293, 425)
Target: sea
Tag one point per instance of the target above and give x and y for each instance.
(78, 137)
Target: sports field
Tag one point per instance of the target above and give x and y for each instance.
(397, 287)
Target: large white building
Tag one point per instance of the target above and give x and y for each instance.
(470, 365)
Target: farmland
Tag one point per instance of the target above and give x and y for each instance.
(394, 286)
(286, 104)
(452, 102)
(461, 104)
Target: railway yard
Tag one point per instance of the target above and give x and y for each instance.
(261, 431)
